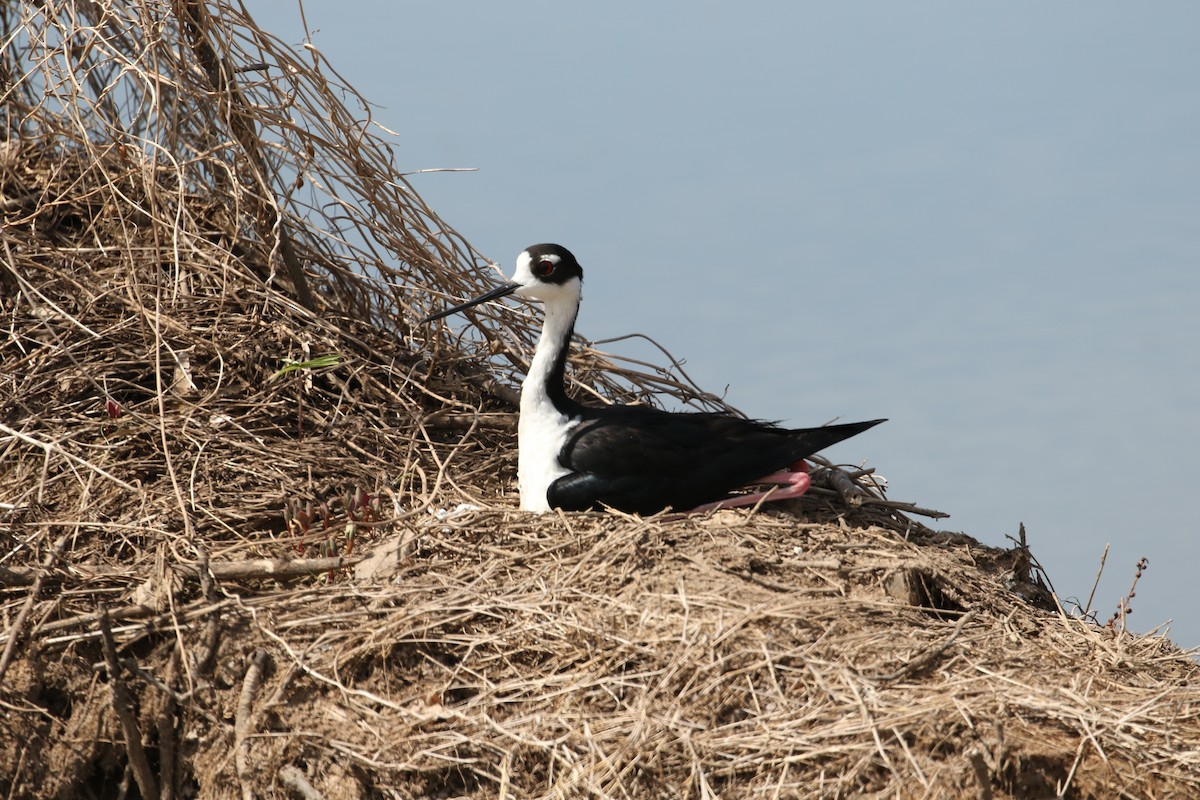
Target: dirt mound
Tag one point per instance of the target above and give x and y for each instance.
(260, 535)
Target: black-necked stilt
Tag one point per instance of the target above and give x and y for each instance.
(634, 458)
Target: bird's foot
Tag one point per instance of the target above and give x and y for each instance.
(789, 483)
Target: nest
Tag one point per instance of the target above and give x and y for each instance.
(260, 537)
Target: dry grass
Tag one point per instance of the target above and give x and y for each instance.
(231, 567)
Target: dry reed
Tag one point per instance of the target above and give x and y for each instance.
(243, 496)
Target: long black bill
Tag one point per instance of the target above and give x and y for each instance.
(499, 291)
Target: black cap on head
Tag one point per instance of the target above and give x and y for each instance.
(552, 263)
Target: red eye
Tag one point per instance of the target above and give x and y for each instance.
(544, 268)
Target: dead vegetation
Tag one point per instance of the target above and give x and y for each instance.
(259, 536)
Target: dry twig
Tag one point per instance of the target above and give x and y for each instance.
(565, 655)
(18, 626)
(123, 706)
(245, 716)
(294, 779)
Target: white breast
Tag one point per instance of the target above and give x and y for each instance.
(541, 434)
(543, 429)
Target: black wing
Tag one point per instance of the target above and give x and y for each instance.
(642, 460)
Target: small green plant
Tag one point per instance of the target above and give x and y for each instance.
(291, 365)
(331, 526)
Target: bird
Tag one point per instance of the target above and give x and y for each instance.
(634, 458)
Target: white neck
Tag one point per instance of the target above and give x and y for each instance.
(542, 429)
(560, 319)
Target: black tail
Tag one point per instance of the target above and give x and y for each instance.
(808, 441)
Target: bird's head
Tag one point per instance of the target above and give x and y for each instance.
(545, 272)
(548, 272)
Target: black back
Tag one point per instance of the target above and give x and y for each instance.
(641, 460)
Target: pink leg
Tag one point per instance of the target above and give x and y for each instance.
(789, 484)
